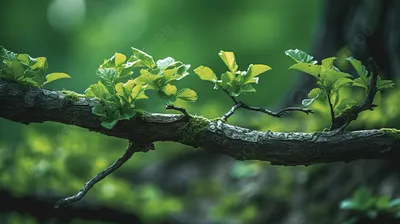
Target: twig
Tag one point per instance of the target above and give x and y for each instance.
(240, 104)
(131, 149)
(351, 114)
(180, 109)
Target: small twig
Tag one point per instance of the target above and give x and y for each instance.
(180, 109)
(351, 114)
(239, 104)
(132, 148)
(231, 111)
(227, 92)
(331, 108)
(279, 113)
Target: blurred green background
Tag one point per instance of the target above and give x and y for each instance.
(41, 163)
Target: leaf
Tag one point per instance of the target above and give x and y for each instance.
(327, 63)
(344, 104)
(109, 124)
(164, 63)
(226, 79)
(229, 59)
(169, 90)
(119, 59)
(182, 72)
(147, 78)
(314, 92)
(187, 95)
(109, 77)
(341, 82)
(25, 59)
(253, 71)
(55, 76)
(98, 90)
(308, 102)
(205, 73)
(360, 82)
(248, 88)
(99, 110)
(384, 84)
(145, 58)
(358, 66)
(300, 56)
(383, 202)
(395, 202)
(307, 68)
(40, 63)
(348, 204)
(137, 91)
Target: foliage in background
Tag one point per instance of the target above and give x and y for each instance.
(364, 205)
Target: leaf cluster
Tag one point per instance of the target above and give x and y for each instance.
(118, 90)
(364, 202)
(24, 69)
(233, 81)
(330, 79)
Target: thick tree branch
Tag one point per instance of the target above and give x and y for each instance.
(30, 104)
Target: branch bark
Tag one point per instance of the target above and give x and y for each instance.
(30, 104)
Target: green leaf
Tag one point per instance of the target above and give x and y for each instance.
(307, 68)
(165, 63)
(358, 66)
(384, 84)
(169, 90)
(55, 76)
(25, 59)
(109, 124)
(300, 56)
(98, 90)
(327, 63)
(395, 202)
(182, 71)
(99, 110)
(344, 104)
(348, 204)
(145, 58)
(308, 102)
(226, 79)
(41, 64)
(314, 92)
(248, 88)
(109, 77)
(253, 71)
(17, 68)
(229, 59)
(206, 74)
(119, 59)
(361, 82)
(341, 82)
(187, 95)
(383, 202)
(147, 78)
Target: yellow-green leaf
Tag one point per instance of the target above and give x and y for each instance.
(169, 90)
(187, 95)
(307, 68)
(205, 73)
(119, 59)
(253, 71)
(229, 59)
(55, 76)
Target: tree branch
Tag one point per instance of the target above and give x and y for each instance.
(30, 104)
(132, 148)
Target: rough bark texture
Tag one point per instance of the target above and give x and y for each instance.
(29, 104)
